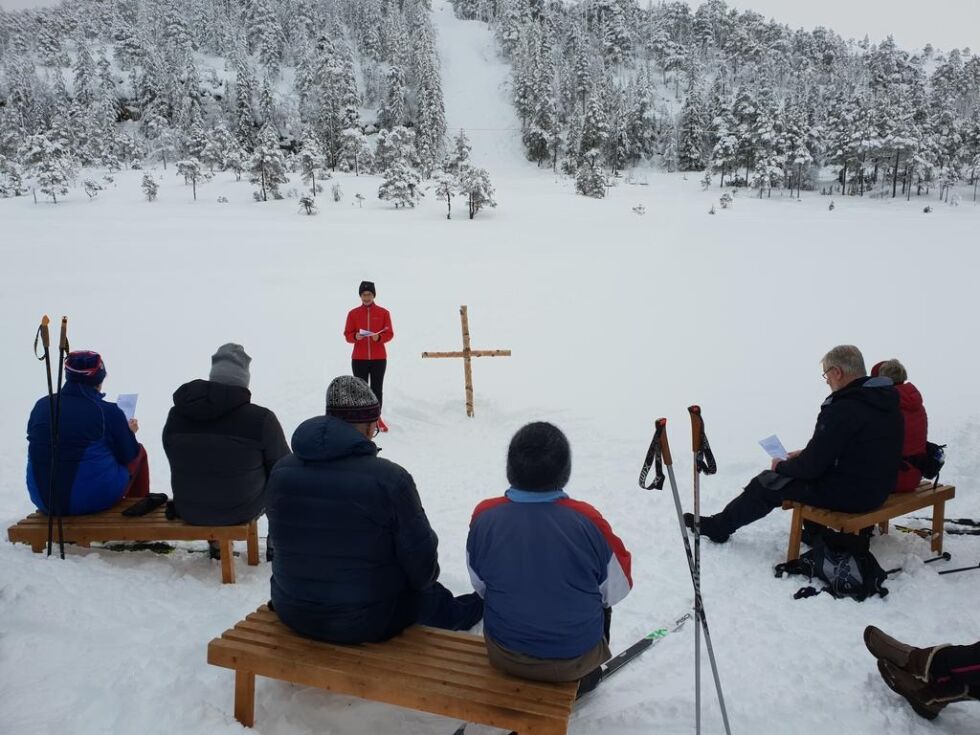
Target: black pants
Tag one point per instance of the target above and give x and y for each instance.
(957, 665)
(373, 372)
(765, 493)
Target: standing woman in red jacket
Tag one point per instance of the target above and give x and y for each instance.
(916, 422)
(368, 328)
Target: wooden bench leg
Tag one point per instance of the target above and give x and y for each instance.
(938, 526)
(795, 534)
(245, 698)
(38, 546)
(253, 543)
(227, 561)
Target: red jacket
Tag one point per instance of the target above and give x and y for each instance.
(916, 427)
(373, 318)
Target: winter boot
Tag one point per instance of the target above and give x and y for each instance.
(214, 549)
(915, 661)
(708, 526)
(928, 700)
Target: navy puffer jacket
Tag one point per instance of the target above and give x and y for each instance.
(352, 542)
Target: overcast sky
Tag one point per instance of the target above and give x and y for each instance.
(944, 23)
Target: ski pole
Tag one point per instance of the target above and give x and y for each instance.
(62, 353)
(43, 336)
(658, 455)
(704, 462)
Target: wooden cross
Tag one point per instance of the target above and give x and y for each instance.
(466, 354)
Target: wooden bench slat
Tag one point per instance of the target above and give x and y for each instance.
(477, 674)
(111, 525)
(897, 504)
(379, 685)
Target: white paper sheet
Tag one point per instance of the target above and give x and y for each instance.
(127, 402)
(774, 448)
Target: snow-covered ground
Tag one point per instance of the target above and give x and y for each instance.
(613, 319)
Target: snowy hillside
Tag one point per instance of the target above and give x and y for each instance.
(614, 318)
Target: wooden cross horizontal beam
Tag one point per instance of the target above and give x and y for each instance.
(467, 354)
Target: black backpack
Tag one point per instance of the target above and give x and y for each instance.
(844, 561)
(931, 463)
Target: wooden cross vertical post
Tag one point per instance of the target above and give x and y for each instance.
(467, 354)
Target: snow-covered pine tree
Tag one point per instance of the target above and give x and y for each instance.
(590, 179)
(474, 184)
(150, 187)
(459, 157)
(50, 163)
(446, 187)
(693, 128)
(355, 153)
(401, 184)
(11, 181)
(267, 165)
(190, 169)
(392, 112)
(311, 161)
(244, 119)
(397, 143)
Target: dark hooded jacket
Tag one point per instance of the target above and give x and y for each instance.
(853, 458)
(353, 544)
(222, 449)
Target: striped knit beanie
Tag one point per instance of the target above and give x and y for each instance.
(85, 367)
(352, 400)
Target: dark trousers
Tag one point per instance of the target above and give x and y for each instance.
(373, 372)
(957, 665)
(765, 493)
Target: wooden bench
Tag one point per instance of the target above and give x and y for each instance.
(897, 504)
(425, 669)
(112, 525)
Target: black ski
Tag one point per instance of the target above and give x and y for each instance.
(927, 532)
(954, 521)
(651, 639)
(620, 660)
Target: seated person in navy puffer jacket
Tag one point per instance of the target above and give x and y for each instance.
(355, 557)
(549, 568)
(99, 459)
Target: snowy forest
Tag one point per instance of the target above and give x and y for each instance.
(254, 87)
(756, 103)
(265, 86)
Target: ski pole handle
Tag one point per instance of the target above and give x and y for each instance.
(63, 340)
(697, 428)
(664, 445)
(45, 333)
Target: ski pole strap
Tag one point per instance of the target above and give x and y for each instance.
(704, 459)
(658, 452)
(44, 337)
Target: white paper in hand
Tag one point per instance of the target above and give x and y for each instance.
(127, 402)
(365, 333)
(774, 448)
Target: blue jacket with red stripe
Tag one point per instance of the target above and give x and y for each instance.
(546, 566)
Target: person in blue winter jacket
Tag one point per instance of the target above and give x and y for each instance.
(549, 568)
(99, 459)
(355, 557)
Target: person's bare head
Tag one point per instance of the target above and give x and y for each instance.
(891, 369)
(843, 364)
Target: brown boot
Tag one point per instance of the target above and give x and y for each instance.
(883, 646)
(928, 700)
(915, 661)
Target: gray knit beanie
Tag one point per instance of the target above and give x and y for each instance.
(352, 400)
(229, 365)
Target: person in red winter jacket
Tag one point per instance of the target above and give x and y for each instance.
(369, 329)
(916, 422)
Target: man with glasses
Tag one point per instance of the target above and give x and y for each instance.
(850, 462)
(356, 559)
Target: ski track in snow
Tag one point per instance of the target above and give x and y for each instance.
(614, 319)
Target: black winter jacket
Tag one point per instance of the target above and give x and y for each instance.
(853, 458)
(352, 542)
(222, 449)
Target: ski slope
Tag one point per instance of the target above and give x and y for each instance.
(614, 319)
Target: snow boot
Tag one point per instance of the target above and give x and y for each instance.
(928, 700)
(912, 660)
(708, 527)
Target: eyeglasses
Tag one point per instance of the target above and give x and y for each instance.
(824, 373)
